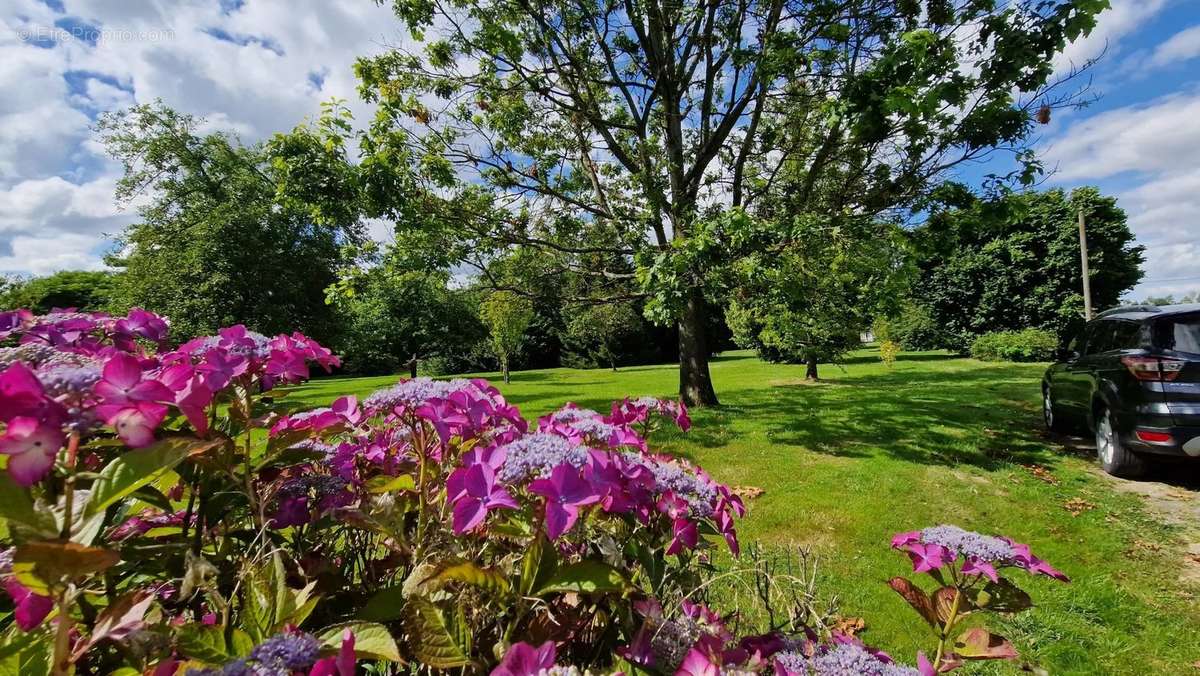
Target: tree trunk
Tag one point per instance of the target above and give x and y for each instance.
(504, 370)
(810, 373)
(412, 367)
(695, 382)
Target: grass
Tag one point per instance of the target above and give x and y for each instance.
(872, 451)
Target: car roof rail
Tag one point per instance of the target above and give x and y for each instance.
(1130, 309)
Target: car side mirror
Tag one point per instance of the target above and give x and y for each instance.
(1067, 354)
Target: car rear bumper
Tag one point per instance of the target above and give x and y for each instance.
(1184, 442)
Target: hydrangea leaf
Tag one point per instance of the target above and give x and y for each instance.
(464, 571)
(138, 468)
(18, 510)
(203, 642)
(433, 641)
(39, 564)
(371, 640)
(586, 577)
(915, 597)
(387, 604)
(1003, 597)
(978, 643)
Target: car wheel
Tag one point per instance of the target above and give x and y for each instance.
(1049, 415)
(1114, 457)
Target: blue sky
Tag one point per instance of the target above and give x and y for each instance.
(259, 66)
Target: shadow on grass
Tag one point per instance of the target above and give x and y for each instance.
(914, 358)
(982, 417)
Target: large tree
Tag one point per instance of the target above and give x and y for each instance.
(214, 245)
(1013, 263)
(637, 114)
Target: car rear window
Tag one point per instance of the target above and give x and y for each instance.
(1182, 334)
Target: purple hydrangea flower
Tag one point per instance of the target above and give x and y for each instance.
(841, 659)
(411, 393)
(287, 651)
(849, 659)
(968, 544)
(686, 484)
(535, 455)
(64, 380)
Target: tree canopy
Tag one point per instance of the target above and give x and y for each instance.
(631, 118)
(1014, 263)
(84, 290)
(214, 245)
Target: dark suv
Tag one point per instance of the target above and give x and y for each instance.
(1133, 377)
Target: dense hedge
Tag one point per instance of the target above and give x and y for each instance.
(1024, 345)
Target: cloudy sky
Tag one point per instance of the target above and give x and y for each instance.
(260, 66)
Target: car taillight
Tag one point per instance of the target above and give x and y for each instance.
(1153, 436)
(1153, 368)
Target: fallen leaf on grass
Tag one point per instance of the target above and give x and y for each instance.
(849, 626)
(748, 492)
(1143, 546)
(1077, 506)
(1042, 474)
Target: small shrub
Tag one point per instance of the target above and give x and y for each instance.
(888, 351)
(1028, 345)
(916, 329)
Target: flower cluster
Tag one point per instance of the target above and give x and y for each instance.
(73, 373)
(697, 642)
(843, 658)
(939, 546)
(632, 411)
(287, 654)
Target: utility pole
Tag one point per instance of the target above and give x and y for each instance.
(1083, 260)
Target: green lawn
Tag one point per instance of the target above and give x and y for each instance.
(850, 461)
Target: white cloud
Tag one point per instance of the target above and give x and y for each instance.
(1152, 149)
(253, 71)
(1182, 46)
(1123, 18)
(1161, 135)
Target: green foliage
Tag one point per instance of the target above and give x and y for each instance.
(214, 246)
(814, 292)
(84, 290)
(601, 147)
(1014, 263)
(506, 316)
(390, 316)
(601, 333)
(1034, 345)
(915, 328)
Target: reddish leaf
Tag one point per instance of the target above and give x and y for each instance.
(117, 621)
(39, 564)
(978, 643)
(916, 597)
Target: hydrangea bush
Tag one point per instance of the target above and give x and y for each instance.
(161, 513)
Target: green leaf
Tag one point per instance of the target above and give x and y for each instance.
(371, 640)
(585, 577)
(386, 605)
(203, 642)
(240, 644)
(433, 638)
(464, 571)
(538, 564)
(16, 508)
(386, 484)
(137, 468)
